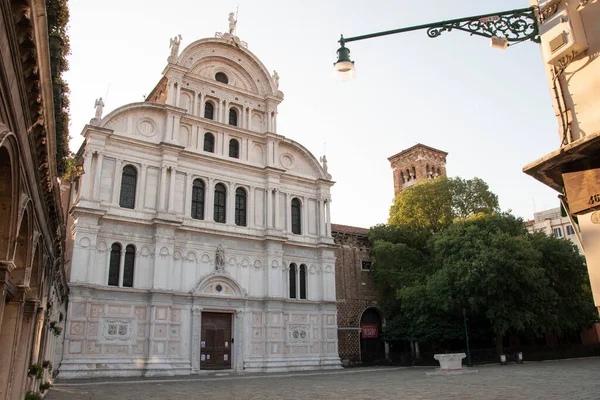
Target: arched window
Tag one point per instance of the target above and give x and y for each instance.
(296, 216)
(209, 142)
(198, 199)
(114, 265)
(221, 77)
(128, 266)
(240, 207)
(233, 117)
(234, 148)
(292, 281)
(128, 184)
(220, 203)
(303, 281)
(209, 110)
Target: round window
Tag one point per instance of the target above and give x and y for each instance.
(219, 288)
(221, 77)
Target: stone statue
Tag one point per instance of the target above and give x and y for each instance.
(174, 45)
(220, 258)
(232, 23)
(276, 78)
(323, 160)
(99, 104)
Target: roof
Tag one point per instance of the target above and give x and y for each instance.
(414, 147)
(352, 230)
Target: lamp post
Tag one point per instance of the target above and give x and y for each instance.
(502, 28)
(469, 363)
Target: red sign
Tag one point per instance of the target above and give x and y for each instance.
(370, 331)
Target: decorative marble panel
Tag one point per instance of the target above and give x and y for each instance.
(257, 319)
(78, 309)
(139, 348)
(97, 310)
(140, 313)
(75, 346)
(93, 348)
(299, 318)
(257, 349)
(175, 315)
(119, 310)
(298, 334)
(92, 329)
(160, 313)
(77, 328)
(160, 330)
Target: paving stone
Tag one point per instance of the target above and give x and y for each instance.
(567, 379)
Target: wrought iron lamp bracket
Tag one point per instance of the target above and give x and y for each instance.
(515, 26)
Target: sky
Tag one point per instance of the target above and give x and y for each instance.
(489, 109)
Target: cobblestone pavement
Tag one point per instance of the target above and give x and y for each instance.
(568, 379)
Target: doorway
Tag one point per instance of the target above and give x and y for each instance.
(372, 347)
(216, 341)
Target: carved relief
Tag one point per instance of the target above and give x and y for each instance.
(116, 329)
(299, 334)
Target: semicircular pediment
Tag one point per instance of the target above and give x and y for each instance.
(217, 284)
(297, 160)
(208, 67)
(199, 54)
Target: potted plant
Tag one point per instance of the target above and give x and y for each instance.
(32, 396)
(45, 386)
(54, 328)
(47, 364)
(35, 370)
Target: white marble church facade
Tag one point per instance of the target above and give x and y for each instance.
(194, 216)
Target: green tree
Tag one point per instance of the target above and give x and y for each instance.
(435, 204)
(489, 266)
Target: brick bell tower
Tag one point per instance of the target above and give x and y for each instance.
(416, 164)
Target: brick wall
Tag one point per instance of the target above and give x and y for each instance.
(355, 291)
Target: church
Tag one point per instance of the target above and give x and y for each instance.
(201, 237)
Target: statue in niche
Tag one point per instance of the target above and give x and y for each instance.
(174, 45)
(232, 23)
(220, 258)
(276, 79)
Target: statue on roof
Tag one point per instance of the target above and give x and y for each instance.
(276, 79)
(174, 45)
(99, 104)
(232, 23)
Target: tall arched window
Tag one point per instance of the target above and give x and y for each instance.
(303, 281)
(233, 117)
(240, 207)
(198, 199)
(209, 142)
(209, 110)
(296, 216)
(114, 265)
(128, 266)
(220, 203)
(234, 148)
(128, 185)
(292, 281)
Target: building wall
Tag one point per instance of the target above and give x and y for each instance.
(573, 85)
(185, 266)
(32, 281)
(354, 290)
(552, 223)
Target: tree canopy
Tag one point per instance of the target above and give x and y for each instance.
(435, 204)
(447, 250)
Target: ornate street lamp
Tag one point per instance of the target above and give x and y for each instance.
(502, 28)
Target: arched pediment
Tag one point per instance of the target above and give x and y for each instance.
(202, 55)
(217, 284)
(208, 67)
(297, 160)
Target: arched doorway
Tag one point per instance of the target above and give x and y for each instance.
(372, 347)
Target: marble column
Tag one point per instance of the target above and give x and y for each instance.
(141, 196)
(187, 210)
(122, 264)
(163, 188)
(202, 102)
(117, 182)
(288, 213)
(230, 214)
(249, 116)
(171, 205)
(87, 167)
(321, 216)
(210, 203)
(225, 112)
(251, 208)
(328, 202)
(98, 176)
(276, 223)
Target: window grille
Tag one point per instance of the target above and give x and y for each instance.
(292, 281)
(209, 142)
(129, 266)
(114, 265)
(296, 217)
(128, 185)
(240, 207)
(220, 203)
(209, 110)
